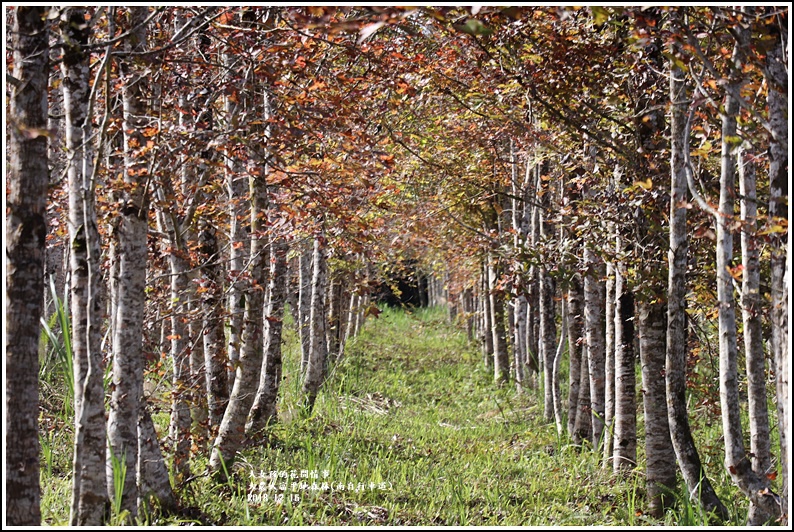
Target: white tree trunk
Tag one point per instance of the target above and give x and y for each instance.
(127, 381)
(263, 412)
(318, 348)
(776, 74)
(689, 463)
(89, 493)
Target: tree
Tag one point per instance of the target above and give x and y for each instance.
(131, 437)
(316, 368)
(687, 455)
(775, 73)
(89, 495)
(25, 232)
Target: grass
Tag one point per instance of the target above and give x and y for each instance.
(409, 429)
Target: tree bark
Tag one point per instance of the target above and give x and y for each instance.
(318, 348)
(89, 493)
(501, 358)
(754, 485)
(625, 429)
(304, 305)
(594, 300)
(263, 412)
(609, 361)
(758, 415)
(660, 468)
(548, 337)
(776, 74)
(575, 328)
(127, 381)
(555, 379)
(215, 353)
(686, 452)
(232, 429)
(25, 243)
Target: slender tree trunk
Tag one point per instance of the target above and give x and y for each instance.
(238, 231)
(583, 425)
(127, 382)
(318, 349)
(485, 319)
(555, 379)
(548, 337)
(776, 74)
(89, 494)
(760, 446)
(263, 412)
(686, 453)
(501, 357)
(660, 468)
(625, 430)
(179, 432)
(304, 306)
(594, 300)
(215, 354)
(26, 228)
(575, 328)
(754, 485)
(609, 361)
(334, 339)
(232, 430)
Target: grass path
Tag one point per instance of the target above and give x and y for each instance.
(411, 431)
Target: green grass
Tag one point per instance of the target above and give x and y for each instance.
(409, 429)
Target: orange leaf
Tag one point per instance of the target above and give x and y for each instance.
(772, 475)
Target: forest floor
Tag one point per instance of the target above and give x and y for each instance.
(409, 430)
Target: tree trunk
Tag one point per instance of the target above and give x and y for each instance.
(755, 486)
(555, 378)
(776, 74)
(89, 493)
(686, 453)
(26, 228)
(232, 429)
(625, 430)
(127, 381)
(304, 305)
(238, 231)
(501, 358)
(594, 300)
(660, 466)
(609, 361)
(151, 471)
(760, 446)
(548, 337)
(263, 412)
(485, 319)
(215, 354)
(318, 348)
(575, 328)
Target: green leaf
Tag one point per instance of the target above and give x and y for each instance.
(474, 27)
(600, 15)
